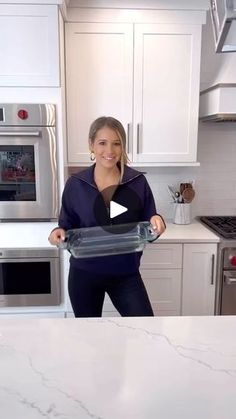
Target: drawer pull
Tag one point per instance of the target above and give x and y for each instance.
(212, 268)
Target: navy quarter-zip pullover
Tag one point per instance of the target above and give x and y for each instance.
(77, 211)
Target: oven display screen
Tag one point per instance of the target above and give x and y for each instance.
(17, 173)
(1, 114)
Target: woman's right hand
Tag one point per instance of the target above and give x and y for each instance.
(56, 236)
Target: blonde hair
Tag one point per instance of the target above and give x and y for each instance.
(115, 125)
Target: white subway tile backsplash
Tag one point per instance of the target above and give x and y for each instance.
(215, 178)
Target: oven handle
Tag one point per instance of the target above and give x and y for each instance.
(20, 133)
(229, 279)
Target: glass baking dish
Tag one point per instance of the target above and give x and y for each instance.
(108, 240)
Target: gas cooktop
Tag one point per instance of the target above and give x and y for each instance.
(225, 226)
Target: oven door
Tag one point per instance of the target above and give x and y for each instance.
(228, 298)
(28, 177)
(31, 281)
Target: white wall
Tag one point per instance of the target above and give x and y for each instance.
(215, 179)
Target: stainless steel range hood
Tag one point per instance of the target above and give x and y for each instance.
(223, 15)
(218, 103)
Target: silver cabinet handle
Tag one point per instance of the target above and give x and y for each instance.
(212, 268)
(128, 137)
(138, 137)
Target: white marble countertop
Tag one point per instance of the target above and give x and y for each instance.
(126, 368)
(189, 233)
(35, 234)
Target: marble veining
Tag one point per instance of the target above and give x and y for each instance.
(193, 353)
(118, 368)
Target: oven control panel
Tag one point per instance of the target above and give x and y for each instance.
(26, 114)
(22, 114)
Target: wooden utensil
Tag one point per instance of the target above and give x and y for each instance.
(184, 186)
(188, 194)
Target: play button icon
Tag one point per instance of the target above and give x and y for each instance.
(116, 209)
(118, 206)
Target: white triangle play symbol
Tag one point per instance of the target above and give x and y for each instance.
(116, 209)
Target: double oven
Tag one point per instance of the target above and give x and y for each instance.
(225, 228)
(28, 192)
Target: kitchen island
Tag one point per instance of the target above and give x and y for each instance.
(126, 368)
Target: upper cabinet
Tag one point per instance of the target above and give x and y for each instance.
(144, 74)
(99, 81)
(166, 93)
(29, 51)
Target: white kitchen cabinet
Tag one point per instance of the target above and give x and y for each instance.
(147, 76)
(166, 92)
(199, 279)
(29, 51)
(99, 65)
(179, 278)
(161, 270)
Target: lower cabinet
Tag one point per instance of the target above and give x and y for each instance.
(199, 279)
(164, 290)
(161, 270)
(179, 277)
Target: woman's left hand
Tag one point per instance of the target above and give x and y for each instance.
(158, 224)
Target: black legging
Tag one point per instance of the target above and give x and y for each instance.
(127, 293)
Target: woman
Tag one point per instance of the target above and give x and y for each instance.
(111, 178)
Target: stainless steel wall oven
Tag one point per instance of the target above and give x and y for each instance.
(29, 277)
(28, 162)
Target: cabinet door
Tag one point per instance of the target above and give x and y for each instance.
(29, 51)
(166, 92)
(199, 278)
(99, 65)
(164, 290)
(161, 270)
(162, 256)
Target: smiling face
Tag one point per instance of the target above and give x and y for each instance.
(108, 131)
(107, 147)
